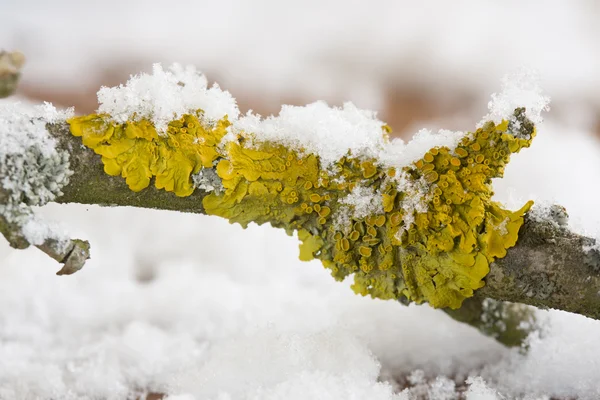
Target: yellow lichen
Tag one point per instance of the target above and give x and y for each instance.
(138, 153)
(440, 255)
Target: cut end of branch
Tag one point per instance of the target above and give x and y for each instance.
(73, 253)
(76, 256)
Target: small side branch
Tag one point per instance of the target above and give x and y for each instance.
(72, 253)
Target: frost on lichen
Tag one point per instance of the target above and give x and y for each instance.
(208, 180)
(32, 173)
(423, 232)
(32, 170)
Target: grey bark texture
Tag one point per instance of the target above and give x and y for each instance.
(550, 267)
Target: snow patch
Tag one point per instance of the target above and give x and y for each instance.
(442, 389)
(335, 132)
(37, 231)
(520, 89)
(549, 213)
(329, 132)
(418, 195)
(363, 201)
(341, 219)
(166, 95)
(287, 367)
(399, 154)
(479, 390)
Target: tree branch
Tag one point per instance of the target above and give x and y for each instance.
(548, 268)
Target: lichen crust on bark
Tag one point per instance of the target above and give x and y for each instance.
(437, 252)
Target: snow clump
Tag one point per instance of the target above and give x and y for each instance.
(166, 95)
(364, 201)
(520, 89)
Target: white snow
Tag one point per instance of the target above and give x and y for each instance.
(363, 201)
(289, 366)
(336, 132)
(36, 231)
(164, 96)
(442, 389)
(342, 219)
(478, 390)
(330, 132)
(520, 89)
(418, 195)
(22, 126)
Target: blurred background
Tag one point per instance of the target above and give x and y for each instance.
(414, 63)
(175, 303)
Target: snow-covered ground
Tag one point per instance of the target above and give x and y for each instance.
(200, 309)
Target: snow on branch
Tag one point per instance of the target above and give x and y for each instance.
(520, 89)
(32, 173)
(328, 132)
(410, 221)
(164, 96)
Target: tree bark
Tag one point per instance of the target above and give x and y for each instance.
(550, 267)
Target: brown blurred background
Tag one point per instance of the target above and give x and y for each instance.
(426, 64)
